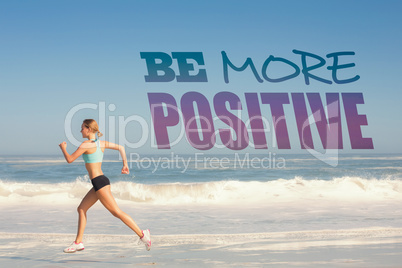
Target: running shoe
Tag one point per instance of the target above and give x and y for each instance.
(146, 239)
(74, 247)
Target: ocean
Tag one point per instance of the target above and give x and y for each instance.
(238, 210)
(200, 193)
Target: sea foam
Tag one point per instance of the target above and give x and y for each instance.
(347, 189)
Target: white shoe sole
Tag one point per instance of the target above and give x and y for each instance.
(72, 251)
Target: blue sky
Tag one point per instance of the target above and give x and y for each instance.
(55, 55)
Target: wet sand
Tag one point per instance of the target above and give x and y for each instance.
(372, 247)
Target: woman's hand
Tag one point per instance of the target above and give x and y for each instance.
(125, 170)
(63, 145)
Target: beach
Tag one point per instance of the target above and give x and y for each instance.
(200, 236)
(307, 214)
(377, 247)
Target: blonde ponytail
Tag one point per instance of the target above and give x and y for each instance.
(93, 126)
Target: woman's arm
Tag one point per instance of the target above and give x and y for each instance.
(113, 146)
(71, 158)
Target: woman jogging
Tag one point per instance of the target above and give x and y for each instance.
(92, 153)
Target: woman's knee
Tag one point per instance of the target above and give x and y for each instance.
(81, 210)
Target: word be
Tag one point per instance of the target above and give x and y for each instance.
(164, 63)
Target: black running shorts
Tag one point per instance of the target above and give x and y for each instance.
(100, 182)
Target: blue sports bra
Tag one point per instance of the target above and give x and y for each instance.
(95, 157)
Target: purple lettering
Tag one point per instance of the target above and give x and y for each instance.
(256, 123)
(161, 121)
(276, 101)
(330, 130)
(303, 125)
(231, 120)
(355, 120)
(205, 118)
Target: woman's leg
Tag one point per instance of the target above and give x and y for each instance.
(88, 201)
(105, 196)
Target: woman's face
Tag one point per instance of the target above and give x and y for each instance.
(85, 131)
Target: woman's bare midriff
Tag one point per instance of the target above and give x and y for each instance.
(94, 169)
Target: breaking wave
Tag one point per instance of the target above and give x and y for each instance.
(348, 189)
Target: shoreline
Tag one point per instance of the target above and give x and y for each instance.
(371, 232)
(362, 247)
